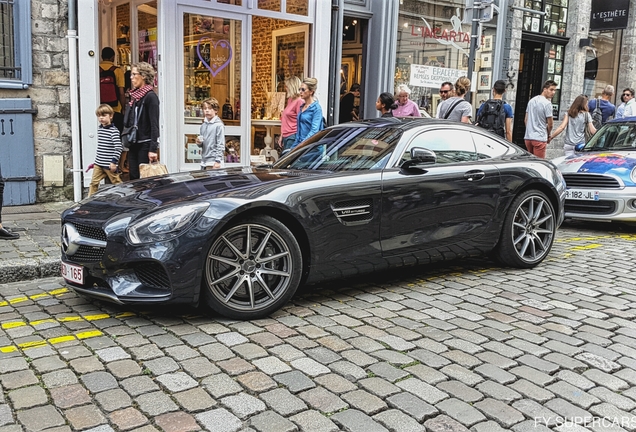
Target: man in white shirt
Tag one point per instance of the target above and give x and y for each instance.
(630, 104)
(539, 120)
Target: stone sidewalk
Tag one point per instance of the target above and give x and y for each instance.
(458, 347)
(37, 252)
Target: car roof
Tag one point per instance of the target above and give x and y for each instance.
(623, 120)
(403, 123)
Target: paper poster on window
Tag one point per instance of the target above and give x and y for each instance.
(433, 76)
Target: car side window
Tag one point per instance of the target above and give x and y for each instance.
(450, 146)
(487, 147)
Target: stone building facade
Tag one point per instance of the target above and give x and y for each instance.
(50, 95)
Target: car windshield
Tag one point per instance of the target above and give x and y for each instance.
(613, 136)
(344, 149)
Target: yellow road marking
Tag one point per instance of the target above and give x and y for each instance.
(96, 317)
(586, 247)
(51, 341)
(55, 292)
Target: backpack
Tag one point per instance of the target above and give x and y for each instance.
(597, 115)
(108, 91)
(493, 117)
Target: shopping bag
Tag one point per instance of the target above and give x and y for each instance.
(152, 169)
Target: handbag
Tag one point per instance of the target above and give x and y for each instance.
(152, 169)
(129, 134)
(588, 132)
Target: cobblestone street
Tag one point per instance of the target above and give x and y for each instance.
(452, 347)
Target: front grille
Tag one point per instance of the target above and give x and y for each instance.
(88, 254)
(90, 231)
(591, 181)
(152, 275)
(590, 207)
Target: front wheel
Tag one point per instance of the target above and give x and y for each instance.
(252, 269)
(528, 231)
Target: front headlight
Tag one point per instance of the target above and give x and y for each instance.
(165, 224)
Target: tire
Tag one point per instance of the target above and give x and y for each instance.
(241, 279)
(528, 231)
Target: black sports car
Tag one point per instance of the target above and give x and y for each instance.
(354, 198)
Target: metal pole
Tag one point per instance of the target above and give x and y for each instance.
(474, 43)
(71, 35)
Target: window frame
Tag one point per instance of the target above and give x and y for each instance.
(22, 47)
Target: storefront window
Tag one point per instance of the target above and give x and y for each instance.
(555, 73)
(554, 22)
(212, 69)
(271, 5)
(602, 62)
(433, 47)
(212, 65)
(147, 32)
(298, 7)
(123, 37)
(281, 47)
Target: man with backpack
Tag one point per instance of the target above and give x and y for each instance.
(496, 115)
(601, 108)
(111, 86)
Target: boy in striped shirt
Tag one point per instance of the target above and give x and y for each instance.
(108, 149)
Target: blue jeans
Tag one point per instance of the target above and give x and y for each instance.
(289, 141)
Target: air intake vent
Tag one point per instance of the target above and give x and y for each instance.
(152, 275)
(353, 212)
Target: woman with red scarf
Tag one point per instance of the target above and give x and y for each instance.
(144, 108)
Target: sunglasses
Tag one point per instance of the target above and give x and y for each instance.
(302, 89)
(444, 91)
(627, 94)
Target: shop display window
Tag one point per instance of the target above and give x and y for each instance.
(192, 151)
(555, 73)
(124, 55)
(212, 64)
(554, 22)
(602, 63)
(433, 47)
(298, 7)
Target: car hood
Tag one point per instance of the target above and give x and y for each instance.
(142, 196)
(619, 164)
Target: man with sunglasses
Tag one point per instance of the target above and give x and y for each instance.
(446, 90)
(630, 104)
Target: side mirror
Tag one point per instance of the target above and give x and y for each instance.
(579, 147)
(420, 156)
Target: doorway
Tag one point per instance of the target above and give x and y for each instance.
(351, 68)
(531, 78)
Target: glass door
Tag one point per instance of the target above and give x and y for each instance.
(212, 70)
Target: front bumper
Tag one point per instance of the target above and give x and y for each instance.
(612, 205)
(119, 272)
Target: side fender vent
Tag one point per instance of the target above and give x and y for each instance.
(353, 212)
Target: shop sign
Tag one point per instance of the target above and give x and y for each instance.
(433, 76)
(439, 33)
(609, 14)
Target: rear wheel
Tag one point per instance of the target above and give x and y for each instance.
(528, 231)
(252, 269)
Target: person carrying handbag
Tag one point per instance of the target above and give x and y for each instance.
(141, 121)
(575, 123)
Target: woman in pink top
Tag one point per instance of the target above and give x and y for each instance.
(406, 107)
(289, 117)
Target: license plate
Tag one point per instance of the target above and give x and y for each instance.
(577, 194)
(73, 273)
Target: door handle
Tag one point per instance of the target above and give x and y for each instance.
(474, 175)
